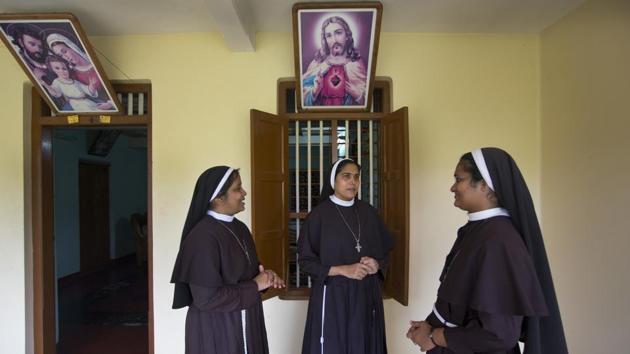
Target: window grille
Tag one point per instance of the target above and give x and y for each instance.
(313, 146)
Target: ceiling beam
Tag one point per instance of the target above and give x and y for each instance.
(234, 19)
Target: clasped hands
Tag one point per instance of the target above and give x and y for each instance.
(267, 278)
(419, 332)
(358, 271)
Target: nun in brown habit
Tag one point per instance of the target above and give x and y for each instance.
(496, 286)
(217, 273)
(344, 247)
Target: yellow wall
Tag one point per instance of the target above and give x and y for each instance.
(585, 111)
(12, 251)
(463, 91)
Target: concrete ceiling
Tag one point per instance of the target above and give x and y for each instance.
(239, 20)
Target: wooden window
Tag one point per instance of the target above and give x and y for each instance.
(269, 184)
(290, 152)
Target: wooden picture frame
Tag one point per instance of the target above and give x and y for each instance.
(54, 52)
(335, 48)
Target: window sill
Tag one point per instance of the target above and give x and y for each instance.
(295, 294)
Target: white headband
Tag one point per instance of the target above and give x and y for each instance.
(225, 177)
(481, 165)
(334, 171)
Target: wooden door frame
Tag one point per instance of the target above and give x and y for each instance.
(42, 125)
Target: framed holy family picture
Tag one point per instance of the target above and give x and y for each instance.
(55, 53)
(335, 47)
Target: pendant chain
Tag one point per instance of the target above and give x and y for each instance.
(241, 244)
(356, 239)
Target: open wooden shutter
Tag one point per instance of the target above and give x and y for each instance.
(269, 139)
(395, 200)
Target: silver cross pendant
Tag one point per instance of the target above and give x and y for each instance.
(358, 247)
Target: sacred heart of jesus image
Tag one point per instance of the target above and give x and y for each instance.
(335, 85)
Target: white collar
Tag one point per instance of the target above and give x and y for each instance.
(341, 202)
(219, 216)
(488, 213)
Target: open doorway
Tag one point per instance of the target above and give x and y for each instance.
(100, 208)
(92, 228)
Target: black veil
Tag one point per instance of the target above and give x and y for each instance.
(206, 186)
(542, 335)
